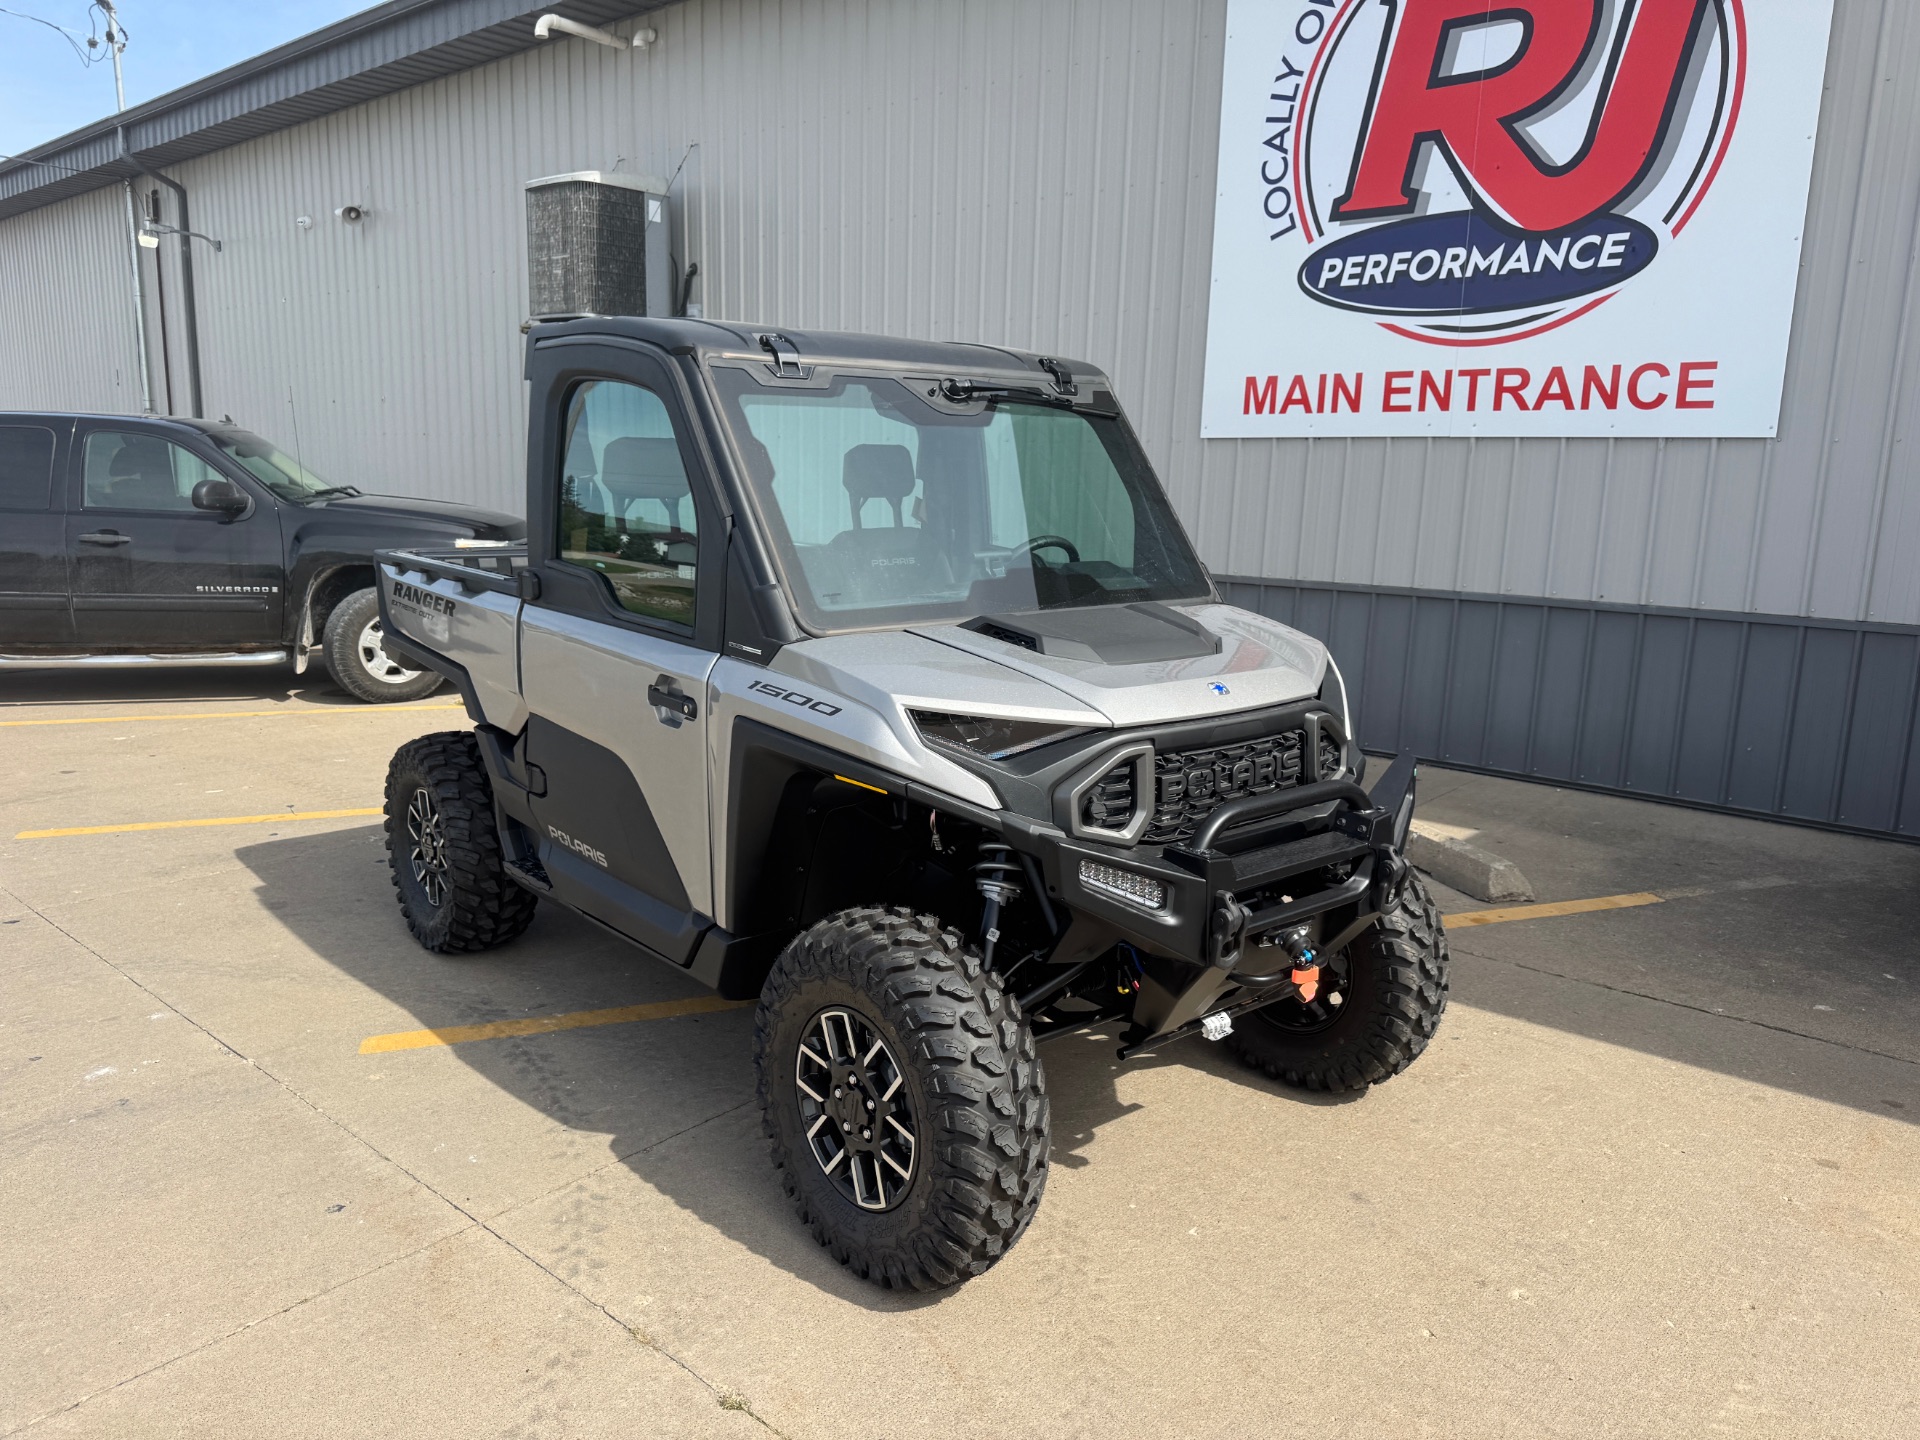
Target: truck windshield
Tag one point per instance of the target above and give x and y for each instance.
(887, 510)
(273, 467)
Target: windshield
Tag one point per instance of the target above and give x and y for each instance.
(274, 468)
(887, 511)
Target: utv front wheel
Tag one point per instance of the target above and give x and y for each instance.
(905, 1106)
(445, 850)
(1378, 1007)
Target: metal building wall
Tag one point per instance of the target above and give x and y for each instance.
(66, 309)
(1040, 173)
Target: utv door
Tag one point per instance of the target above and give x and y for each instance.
(150, 570)
(33, 542)
(616, 652)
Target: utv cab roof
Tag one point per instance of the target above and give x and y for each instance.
(718, 340)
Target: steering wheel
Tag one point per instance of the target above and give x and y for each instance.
(1052, 542)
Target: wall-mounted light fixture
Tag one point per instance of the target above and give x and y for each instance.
(152, 230)
(546, 25)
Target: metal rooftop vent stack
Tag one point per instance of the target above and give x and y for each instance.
(597, 245)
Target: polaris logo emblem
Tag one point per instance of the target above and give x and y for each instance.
(1219, 689)
(579, 847)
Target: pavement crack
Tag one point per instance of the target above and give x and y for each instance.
(724, 1397)
(1684, 1005)
(221, 1339)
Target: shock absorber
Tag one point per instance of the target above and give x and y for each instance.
(996, 874)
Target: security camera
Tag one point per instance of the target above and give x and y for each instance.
(352, 214)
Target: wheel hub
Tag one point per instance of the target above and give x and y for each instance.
(372, 649)
(854, 1109)
(428, 858)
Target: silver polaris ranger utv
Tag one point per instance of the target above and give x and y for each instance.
(875, 680)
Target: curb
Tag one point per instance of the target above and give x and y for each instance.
(1449, 858)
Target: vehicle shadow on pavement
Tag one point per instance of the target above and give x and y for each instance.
(675, 1098)
(273, 686)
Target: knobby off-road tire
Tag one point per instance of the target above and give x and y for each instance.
(975, 1094)
(1395, 993)
(445, 850)
(358, 661)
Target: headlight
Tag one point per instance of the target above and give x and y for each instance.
(1124, 885)
(987, 738)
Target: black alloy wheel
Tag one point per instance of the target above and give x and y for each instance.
(1303, 1018)
(428, 856)
(855, 1107)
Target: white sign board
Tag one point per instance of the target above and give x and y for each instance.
(1510, 217)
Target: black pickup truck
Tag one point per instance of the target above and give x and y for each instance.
(148, 541)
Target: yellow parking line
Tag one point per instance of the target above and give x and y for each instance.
(196, 824)
(233, 715)
(546, 1024)
(1466, 918)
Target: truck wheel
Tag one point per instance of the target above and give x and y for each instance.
(356, 654)
(905, 1106)
(1372, 1023)
(445, 849)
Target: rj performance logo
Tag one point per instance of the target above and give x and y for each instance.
(1472, 172)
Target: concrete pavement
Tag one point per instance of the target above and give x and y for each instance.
(1659, 1176)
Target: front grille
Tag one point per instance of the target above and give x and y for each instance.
(1332, 758)
(1190, 785)
(1109, 804)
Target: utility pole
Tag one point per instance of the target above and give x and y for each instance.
(116, 42)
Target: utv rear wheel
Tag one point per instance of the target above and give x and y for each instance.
(355, 645)
(1368, 1024)
(905, 1106)
(445, 850)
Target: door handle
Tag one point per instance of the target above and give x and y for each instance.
(106, 537)
(662, 698)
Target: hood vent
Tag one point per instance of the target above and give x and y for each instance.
(1147, 633)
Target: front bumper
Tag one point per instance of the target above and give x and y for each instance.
(1329, 857)
(1244, 853)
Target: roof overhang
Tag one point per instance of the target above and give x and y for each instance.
(390, 47)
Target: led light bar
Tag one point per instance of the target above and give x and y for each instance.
(1123, 885)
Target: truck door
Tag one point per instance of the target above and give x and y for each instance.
(149, 570)
(616, 652)
(34, 603)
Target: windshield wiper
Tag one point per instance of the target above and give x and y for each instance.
(960, 392)
(328, 491)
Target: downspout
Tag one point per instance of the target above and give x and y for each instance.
(186, 275)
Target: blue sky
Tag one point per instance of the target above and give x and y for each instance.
(45, 91)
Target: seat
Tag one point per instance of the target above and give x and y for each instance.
(636, 468)
(140, 476)
(898, 563)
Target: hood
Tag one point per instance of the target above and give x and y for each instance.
(1134, 665)
(485, 524)
(1209, 662)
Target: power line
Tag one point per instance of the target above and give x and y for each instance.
(73, 37)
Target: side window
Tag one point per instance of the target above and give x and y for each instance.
(129, 471)
(626, 506)
(26, 467)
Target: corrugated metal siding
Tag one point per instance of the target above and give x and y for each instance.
(1040, 173)
(1797, 720)
(66, 308)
